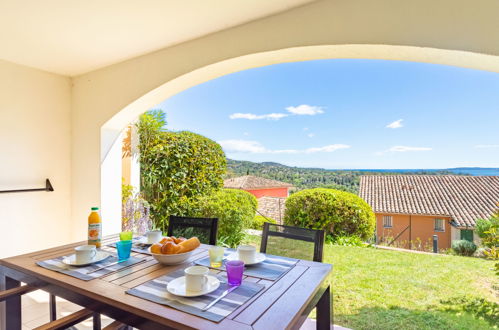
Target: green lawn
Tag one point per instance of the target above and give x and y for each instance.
(379, 289)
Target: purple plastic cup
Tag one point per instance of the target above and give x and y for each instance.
(234, 272)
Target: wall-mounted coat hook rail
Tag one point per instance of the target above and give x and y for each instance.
(48, 187)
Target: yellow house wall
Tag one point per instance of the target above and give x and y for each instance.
(35, 134)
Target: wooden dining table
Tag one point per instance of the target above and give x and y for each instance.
(283, 304)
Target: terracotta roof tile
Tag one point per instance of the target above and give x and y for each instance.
(254, 182)
(464, 198)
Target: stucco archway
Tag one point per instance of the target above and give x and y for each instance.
(296, 54)
(110, 147)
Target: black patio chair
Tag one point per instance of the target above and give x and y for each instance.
(293, 242)
(204, 228)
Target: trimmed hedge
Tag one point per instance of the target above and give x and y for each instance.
(234, 209)
(464, 247)
(175, 167)
(337, 212)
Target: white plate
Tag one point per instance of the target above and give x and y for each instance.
(142, 240)
(71, 260)
(177, 287)
(259, 257)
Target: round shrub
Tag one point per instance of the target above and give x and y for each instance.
(175, 167)
(257, 222)
(337, 212)
(234, 208)
(464, 247)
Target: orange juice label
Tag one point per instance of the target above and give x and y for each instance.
(94, 233)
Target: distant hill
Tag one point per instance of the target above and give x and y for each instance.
(347, 180)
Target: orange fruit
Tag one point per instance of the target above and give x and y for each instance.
(165, 239)
(179, 240)
(169, 248)
(156, 248)
(190, 244)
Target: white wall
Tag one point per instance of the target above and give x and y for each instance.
(34, 145)
(455, 234)
(111, 176)
(476, 239)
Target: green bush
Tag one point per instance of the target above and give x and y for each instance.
(490, 238)
(345, 240)
(175, 167)
(337, 212)
(478, 307)
(234, 208)
(258, 221)
(464, 247)
(483, 226)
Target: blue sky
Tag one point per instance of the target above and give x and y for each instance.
(347, 113)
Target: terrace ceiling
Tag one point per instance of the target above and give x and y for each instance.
(75, 37)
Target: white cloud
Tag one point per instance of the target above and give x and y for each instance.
(487, 146)
(246, 134)
(395, 124)
(252, 116)
(406, 148)
(305, 109)
(329, 148)
(310, 135)
(300, 110)
(284, 151)
(244, 146)
(305, 129)
(255, 147)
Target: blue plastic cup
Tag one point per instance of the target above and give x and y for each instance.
(124, 248)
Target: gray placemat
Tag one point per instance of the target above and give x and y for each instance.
(137, 246)
(155, 290)
(57, 265)
(272, 268)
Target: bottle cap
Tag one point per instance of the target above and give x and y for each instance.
(95, 208)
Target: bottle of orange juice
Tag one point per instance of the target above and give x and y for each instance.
(94, 228)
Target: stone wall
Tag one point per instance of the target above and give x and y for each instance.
(272, 207)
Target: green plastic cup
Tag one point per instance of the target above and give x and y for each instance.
(126, 236)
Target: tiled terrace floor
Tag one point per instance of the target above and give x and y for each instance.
(35, 311)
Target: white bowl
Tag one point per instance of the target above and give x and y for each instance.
(171, 259)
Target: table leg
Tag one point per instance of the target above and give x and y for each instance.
(10, 309)
(96, 321)
(52, 307)
(324, 311)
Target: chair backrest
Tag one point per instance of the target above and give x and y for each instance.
(204, 228)
(293, 242)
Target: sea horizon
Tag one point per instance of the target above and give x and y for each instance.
(475, 171)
